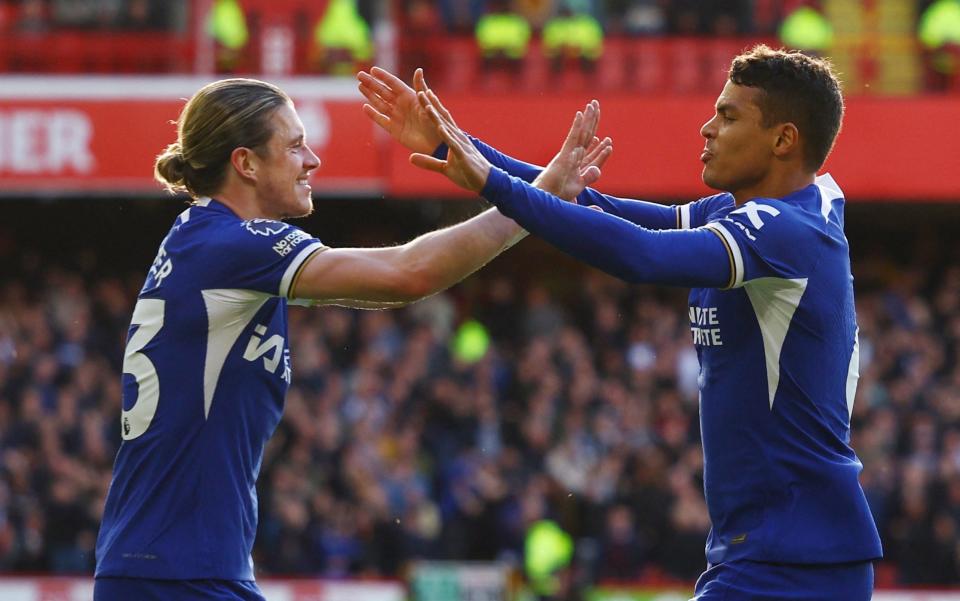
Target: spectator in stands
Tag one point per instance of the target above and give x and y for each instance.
(461, 16)
(573, 37)
(939, 33)
(637, 17)
(622, 550)
(502, 37)
(227, 25)
(341, 38)
(807, 29)
(422, 29)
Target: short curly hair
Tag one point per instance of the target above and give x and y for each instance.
(798, 89)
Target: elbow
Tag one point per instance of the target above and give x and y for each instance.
(419, 285)
(411, 286)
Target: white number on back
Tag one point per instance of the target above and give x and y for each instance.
(148, 314)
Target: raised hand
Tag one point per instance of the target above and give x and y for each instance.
(578, 163)
(465, 166)
(393, 105)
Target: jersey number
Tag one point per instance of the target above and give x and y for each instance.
(148, 315)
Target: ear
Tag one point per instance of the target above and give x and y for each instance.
(244, 162)
(788, 140)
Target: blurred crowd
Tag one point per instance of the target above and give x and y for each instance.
(450, 428)
(41, 16)
(881, 46)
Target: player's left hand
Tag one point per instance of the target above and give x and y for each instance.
(393, 105)
(465, 166)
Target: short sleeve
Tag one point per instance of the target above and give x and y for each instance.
(767, 238)
(263, 255)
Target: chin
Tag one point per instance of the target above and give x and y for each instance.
(709, 180)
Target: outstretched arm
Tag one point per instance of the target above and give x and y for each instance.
(633, 253)
(398, 275)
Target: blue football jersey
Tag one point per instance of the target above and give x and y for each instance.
(773, 320)
(205, 372)
(779, 364)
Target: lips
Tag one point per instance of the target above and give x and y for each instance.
(706, 155)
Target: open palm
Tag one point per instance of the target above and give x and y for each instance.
(393, 105)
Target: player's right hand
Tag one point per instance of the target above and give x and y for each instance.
(578, 163)
(393, 105)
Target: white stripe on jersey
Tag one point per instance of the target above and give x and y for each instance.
(774, 300)
(853, 372)
(685, 216)
(291, 271)
(737, 275)
(228, 313)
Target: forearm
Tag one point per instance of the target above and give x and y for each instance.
(647, 214)
(643, 213)
(380, 278)
(612, 244)
(440, 259)
(517, 168)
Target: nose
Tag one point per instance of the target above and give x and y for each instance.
(707, 130)
(312, 161)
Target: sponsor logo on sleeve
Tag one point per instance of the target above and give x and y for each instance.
(264, 227)
(284, 246)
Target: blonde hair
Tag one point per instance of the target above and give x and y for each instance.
(220, 117)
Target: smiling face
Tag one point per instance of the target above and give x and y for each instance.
(739, 150)
(285, 164)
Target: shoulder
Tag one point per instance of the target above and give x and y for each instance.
(256, 237)
(774, 219)
(704, 210)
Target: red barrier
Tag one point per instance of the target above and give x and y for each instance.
(101, 135)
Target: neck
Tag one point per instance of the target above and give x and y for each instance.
(241, 202)
(776, 186)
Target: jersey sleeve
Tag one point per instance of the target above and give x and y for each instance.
(767, 238)
(695, 258)
(647, 214)
(515, 167)
(640, 212)
(262, 255)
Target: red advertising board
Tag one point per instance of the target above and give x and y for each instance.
(62, 135)
(102, 134)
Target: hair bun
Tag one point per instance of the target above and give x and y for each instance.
(170, 169)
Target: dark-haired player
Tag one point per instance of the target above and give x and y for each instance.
(771, 312)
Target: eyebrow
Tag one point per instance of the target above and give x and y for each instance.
(725, 107)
